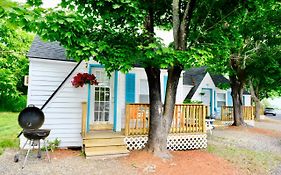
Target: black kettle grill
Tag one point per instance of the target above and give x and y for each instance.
(31, 119)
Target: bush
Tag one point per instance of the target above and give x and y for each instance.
(188, 101)
(13, 104)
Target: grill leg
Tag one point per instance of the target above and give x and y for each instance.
(39, 150)
(47, 153)
(16, 158)
(30, 147)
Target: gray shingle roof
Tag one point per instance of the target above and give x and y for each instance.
(47, 50)
(219, 79)
(194, 77)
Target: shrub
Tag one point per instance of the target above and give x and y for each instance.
(13, 104)
(188, 101)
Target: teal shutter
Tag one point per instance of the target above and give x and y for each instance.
(211, 101)
(229, 99)
(130, 88)
(244, 100)
(215, 101)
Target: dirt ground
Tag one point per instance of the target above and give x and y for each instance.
(196, 162)
(183, 163)
(238, 143)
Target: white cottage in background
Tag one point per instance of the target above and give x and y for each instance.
(204, 87)
(50, 88)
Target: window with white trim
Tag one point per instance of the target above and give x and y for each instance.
(144, 91)
(221, 98)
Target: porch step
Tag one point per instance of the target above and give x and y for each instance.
(102, 144)
(98, 142)
(103, 134)
(106, 151)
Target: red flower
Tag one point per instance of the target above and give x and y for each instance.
(85, 78)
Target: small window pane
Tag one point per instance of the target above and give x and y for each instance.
(144, 87)
(144, 98)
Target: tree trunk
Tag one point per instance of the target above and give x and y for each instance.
(237, 96)
(161, 118)
(255, 97)
(257, 109)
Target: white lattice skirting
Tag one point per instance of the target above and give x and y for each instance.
(175, 141)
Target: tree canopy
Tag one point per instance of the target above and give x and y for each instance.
(245, 36)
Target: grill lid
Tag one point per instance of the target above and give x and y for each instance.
(31, 118)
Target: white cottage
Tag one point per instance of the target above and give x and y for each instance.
(204, 87)
(109, 117)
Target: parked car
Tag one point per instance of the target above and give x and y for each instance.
(269, 111)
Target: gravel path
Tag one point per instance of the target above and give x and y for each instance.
(269, 124)
(256, 142)
(252, 140)
(67, 166)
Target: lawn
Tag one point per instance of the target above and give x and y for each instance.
(9, 130)
(258, 162)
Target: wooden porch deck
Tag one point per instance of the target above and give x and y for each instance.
(227, 113)
(188, 124)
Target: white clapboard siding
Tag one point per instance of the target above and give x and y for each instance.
(53, 69)
(39, 78)
(63, 112)
(52, 121)
(64, 105)
(37, 92)
(47, 83)
(60, 116)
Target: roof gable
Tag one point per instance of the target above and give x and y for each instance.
(47, 50)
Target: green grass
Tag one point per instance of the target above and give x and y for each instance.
(253, 162)
(9, 130)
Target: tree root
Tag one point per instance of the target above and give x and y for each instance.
(162, 154)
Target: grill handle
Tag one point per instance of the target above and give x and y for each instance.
(20, 134)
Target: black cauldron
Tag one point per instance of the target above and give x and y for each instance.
(31, 118)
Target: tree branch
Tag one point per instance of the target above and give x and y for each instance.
(176, 22)
(222, 19)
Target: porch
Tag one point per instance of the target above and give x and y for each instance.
(188, 131)
(227, 115)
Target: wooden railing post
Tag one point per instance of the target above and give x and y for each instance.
(204, 118)
(84, 119)
(222, 113)
(127, 120)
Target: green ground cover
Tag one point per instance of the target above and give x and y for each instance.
(253, 162)
(9, 129)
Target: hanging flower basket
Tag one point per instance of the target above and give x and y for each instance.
(84, 78)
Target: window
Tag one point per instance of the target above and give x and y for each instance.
(144, 92)
(221, 99)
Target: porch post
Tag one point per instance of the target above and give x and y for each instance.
(116, 118)
(83, 122)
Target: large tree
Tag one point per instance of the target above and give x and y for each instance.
(256, 25)
(121, 33)
(265, 74)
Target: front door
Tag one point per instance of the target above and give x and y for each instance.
(100, 102)
(207, 99)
